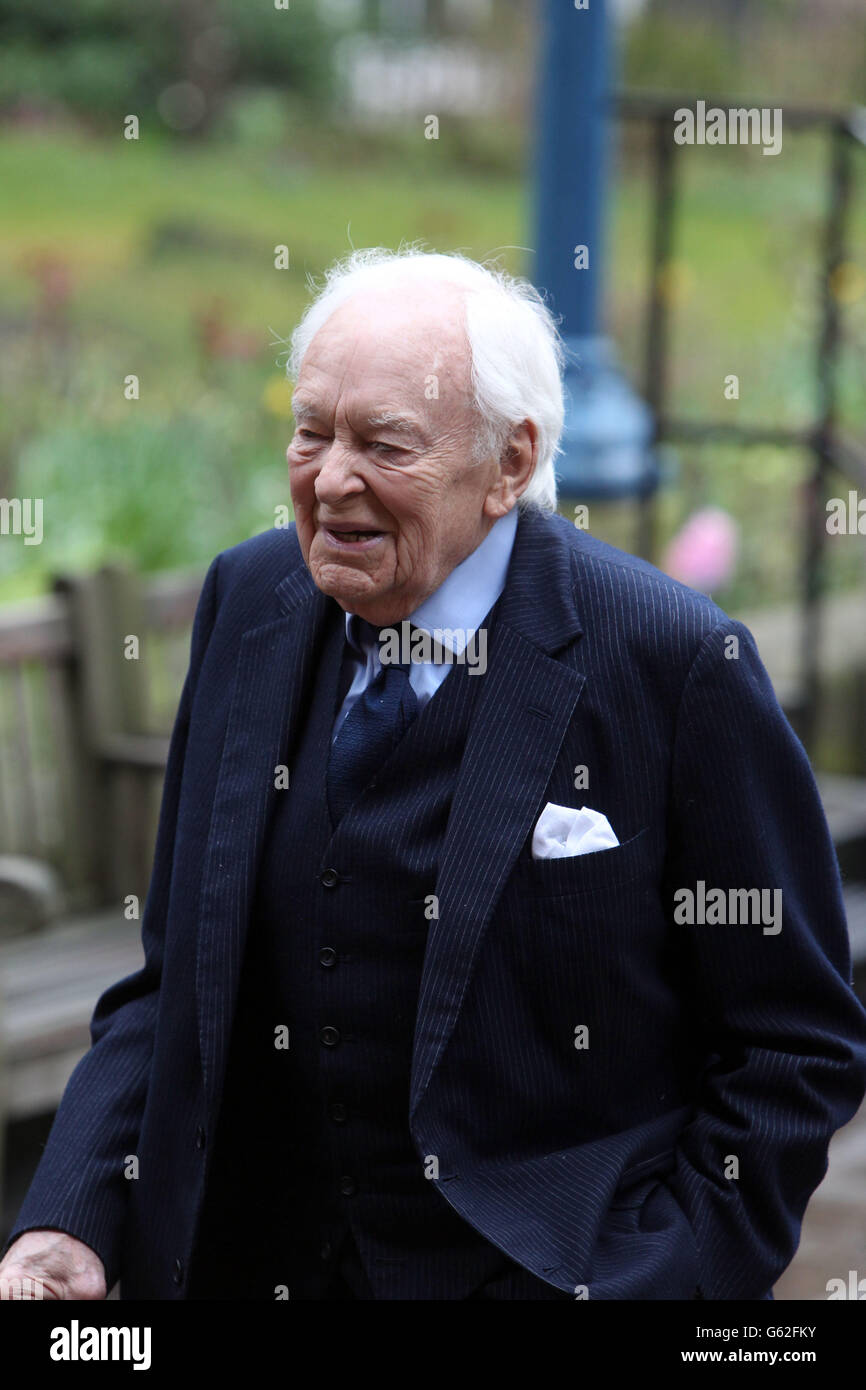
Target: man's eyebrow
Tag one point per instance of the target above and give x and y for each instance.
(379, 419)
(389, 420)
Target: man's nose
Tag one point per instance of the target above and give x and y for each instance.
(338, 473)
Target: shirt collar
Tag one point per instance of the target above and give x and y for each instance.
(467, 594)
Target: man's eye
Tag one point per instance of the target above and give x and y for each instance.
(383, 447)
(309, 434)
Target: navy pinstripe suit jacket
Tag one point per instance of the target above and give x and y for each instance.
(672, 1153)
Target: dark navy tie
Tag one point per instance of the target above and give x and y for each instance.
(371, 730)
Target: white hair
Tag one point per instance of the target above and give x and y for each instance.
(515, 348)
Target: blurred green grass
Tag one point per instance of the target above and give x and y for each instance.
(157, 236)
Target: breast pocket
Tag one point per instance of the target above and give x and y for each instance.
(580, 935)
(600, 870)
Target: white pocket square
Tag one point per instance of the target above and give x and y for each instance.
(563, 831)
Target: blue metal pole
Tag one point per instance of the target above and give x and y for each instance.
(606, 443)
(571, 160)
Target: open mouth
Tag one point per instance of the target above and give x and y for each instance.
(344, 538)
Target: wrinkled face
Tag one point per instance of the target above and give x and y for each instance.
(387, 495)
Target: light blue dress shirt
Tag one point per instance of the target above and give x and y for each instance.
(462, 601)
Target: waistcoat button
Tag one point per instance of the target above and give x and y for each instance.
(338, 1112)
(329, 878)
(327, 956)
(348, 1186)
(330, 1036)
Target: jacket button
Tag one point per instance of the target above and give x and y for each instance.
(327, 956)
(348, 1186)
(177, 1274)
(330, 1036)
(329, 878)
(200, 1137)
(338, 1112)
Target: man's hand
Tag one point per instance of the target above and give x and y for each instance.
(65, 1267)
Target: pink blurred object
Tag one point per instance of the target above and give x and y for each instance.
(703, 553)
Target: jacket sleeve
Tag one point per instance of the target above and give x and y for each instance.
(78, 1186)
(784, 1034)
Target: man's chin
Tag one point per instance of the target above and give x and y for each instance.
(346, 583)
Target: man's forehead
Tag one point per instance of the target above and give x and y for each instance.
(408, 399)
(390, 370)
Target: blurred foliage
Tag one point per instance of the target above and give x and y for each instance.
(103, 60)
(811, 52)
(660, 51)
(100, 61)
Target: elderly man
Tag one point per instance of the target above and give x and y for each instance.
(510, 964)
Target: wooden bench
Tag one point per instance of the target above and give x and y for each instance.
(49, 983)
(83, 744)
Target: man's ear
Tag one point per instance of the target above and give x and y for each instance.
(516, 466)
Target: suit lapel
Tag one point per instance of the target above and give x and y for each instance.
(274, 662)
(520, 717)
